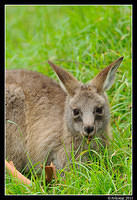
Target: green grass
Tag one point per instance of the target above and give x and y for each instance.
(82, 39)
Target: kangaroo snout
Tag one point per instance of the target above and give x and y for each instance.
(89, 129)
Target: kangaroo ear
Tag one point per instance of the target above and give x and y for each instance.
(68, 83)
(104, 80)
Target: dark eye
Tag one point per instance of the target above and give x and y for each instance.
(76, 112)
(99, 110)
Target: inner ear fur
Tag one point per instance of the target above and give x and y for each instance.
(104, 80)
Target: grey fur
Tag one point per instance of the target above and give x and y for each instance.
(40, 118)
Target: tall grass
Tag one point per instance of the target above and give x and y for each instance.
(82, 39)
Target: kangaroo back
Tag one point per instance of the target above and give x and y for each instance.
(34, 110)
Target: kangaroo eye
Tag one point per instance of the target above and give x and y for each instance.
(76, 112)
(99, 110)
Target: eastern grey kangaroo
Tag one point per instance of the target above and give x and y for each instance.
(43, 118)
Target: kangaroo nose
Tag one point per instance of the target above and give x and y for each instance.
(88, 129)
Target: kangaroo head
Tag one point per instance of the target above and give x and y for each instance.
(87, 109)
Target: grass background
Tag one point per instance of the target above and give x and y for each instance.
(82, 39)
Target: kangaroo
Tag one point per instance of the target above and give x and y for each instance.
(44, 118)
